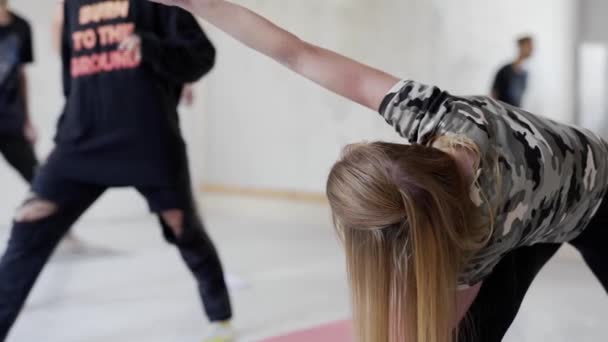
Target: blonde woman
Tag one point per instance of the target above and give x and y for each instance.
(480, 198)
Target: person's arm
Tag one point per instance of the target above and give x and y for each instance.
(188, 96)
(26, 56)
(464, 300)
(178, 51)
(23, 88)
(65, 50)
(497, 85)
(28, 129)
(57, 27)
(355, 81)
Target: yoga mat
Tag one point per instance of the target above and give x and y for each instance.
(332, 332)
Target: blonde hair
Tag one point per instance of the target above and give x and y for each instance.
(408, 227)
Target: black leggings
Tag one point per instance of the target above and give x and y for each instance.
(502, 293)
(19, 153)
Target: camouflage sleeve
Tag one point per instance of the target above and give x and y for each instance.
(468, 118)
(420, 113)
(414, 110)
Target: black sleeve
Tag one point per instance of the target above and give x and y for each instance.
(498, 85)
(26, 51)
(66, 53)
(420, 112)
(182, 53)
(412, 108)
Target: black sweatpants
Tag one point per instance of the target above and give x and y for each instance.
(502, 293)
(19, 153)
(32, 243)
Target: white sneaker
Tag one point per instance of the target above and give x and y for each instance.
(220, 332)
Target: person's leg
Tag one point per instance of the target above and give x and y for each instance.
(39, 225)
(593, 244)
(19, 153)
(183, 227)
(502, 293)
(187, 232)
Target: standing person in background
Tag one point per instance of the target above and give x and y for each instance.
(17, 133)
(71, 243)
(125, 63)
(511, 80)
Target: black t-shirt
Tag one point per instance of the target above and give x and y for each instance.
(15, 51)
(510, 85)
(120, 124)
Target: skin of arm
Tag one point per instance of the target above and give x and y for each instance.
(28, 130)
(464, 300)
(57, 26)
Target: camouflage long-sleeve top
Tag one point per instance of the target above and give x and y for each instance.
(551, 177)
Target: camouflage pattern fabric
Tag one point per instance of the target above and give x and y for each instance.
(545, 180)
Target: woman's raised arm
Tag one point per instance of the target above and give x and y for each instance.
(339, 74)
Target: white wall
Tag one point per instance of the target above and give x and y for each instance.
(593, 75)
(593, 24)
(268, 128)
(592, 71)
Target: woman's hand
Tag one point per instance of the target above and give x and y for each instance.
(132, 45)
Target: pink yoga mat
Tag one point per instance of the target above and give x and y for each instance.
(332, 332)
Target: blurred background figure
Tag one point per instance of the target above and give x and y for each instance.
(511, 80)
(17, 133)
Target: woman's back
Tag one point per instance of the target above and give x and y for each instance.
(544, 179)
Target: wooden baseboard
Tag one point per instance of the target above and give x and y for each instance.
(234, 190)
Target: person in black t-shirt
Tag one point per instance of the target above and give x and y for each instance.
(17, 134)
(125, 64)
(511, 80)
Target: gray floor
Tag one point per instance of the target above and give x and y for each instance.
(133, 287)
